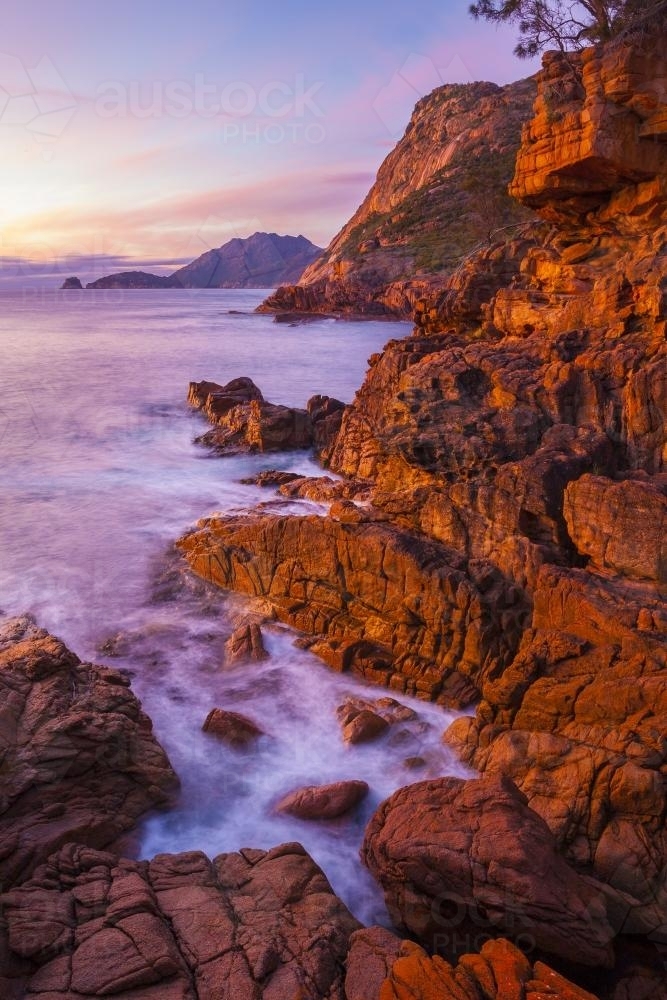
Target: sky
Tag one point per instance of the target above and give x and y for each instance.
(143, 133)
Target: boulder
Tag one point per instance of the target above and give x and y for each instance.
(79, 758)
(72, 282)
(460, 858)
(621, 526)
(391, 710)
(364, 727)
(324, 801)
(245, 421)
(232, 728)
(245, 643)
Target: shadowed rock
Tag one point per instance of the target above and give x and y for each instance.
(79, 759)
(180, 927)
(475, 847)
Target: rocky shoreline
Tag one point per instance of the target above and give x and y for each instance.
(494, 538)
(80, 920)
(499, 537)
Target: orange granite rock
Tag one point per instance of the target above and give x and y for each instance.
(511, 545)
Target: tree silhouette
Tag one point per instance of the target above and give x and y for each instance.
(568, 26)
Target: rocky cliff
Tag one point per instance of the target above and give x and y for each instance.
(263, 260)
(442, 190)
(508, 543)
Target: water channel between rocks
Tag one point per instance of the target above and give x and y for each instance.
(100, 476)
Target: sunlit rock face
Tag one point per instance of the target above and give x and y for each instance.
(437, 194)
(600, 124)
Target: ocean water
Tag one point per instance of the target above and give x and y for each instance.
(99, 477)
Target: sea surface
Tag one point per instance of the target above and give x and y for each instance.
(99, 476)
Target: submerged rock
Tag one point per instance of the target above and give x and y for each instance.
(79, 758)
(232, 728)
(246, 644)
(321, 802)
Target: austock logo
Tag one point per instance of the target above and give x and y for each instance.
(36, 99)
(459, 925)
(18, 418)
(276, 112)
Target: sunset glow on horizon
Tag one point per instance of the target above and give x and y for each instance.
(151, 135)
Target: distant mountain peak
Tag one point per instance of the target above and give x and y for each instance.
(263, 260)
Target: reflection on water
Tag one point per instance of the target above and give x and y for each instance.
(99, 476)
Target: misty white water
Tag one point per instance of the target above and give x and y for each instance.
(100, 476)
